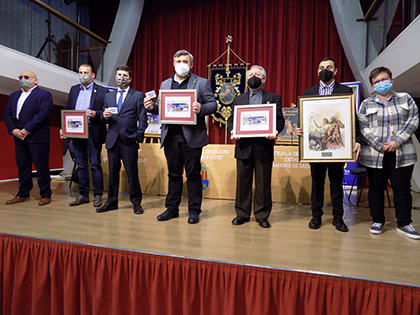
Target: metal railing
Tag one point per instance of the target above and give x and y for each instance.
(47, 30)
(385, 20)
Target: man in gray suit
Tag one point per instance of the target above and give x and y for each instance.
(183, 144)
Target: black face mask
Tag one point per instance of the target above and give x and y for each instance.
(325, 75)
(254, 82)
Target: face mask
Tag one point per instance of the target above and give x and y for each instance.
(325, 75)
(254, 82)
(122, 82)
(25, 83)
(182, 69)
(383, 87)
(84, 78)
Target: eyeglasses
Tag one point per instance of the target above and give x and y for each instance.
(24, 77)
(381, 80)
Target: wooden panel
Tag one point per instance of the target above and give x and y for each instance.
(291, 180)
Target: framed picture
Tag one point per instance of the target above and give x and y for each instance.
(356, 87)
(176, 107)
(291, 121)
(254, 120)
(328, 124)
(74, 124)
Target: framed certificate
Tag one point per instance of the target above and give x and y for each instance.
(328, 124)
(254, 120)
(176, 107)
(74, 124)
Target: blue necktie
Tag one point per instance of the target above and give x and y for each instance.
(120, 100)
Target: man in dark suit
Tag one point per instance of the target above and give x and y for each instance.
(255, 154)
(89, 96)
(127, 120)
(183, 144)
(327, 69)
(27, 118)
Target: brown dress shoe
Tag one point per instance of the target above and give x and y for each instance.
(44, 201)
(17, 199)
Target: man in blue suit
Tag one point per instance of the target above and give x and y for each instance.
(89, 96)
(126, 117)
(183, 144)
(27, 118)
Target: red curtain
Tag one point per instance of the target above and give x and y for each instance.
(288, 38)
(49, 277)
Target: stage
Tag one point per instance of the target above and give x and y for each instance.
(288, 245)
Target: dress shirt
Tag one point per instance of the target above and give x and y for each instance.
(22, 99)
(83, 99)
(124, 95)
(326, 89)
(255, 98)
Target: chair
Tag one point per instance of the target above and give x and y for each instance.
(362, 171)
(74, 176)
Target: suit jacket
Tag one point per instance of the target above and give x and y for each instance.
(263, 148)
(196, 135)
(338, 88)
(34, 115)
(130, 122)
(97, 100)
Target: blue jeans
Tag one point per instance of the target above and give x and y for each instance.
(85, 151)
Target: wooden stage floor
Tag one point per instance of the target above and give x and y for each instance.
(288, 244)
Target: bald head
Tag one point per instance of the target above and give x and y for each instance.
(26, 75)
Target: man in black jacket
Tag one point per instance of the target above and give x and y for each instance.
(327, 69)
(255, 154)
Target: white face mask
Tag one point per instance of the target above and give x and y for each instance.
(182, 69)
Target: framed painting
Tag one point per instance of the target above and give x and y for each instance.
(328, 124)
(291, 121)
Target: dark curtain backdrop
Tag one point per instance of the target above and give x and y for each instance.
(46, 277)
(287, 37)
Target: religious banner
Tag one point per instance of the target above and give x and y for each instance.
(227, 81)
(226, 86)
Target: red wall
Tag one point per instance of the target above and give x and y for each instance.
(8, 168)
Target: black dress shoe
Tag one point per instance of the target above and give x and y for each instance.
(315, 223)
(193, 218)
(79, 201)
(167, 215)
(239, 220)
(263, 223)
(107, 207)
(138, 209)
(340, 225)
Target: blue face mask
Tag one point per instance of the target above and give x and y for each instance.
(383, 87)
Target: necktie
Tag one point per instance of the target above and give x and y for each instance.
(120, 100)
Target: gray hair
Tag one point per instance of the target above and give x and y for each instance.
(264, 74)
(183, 53)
